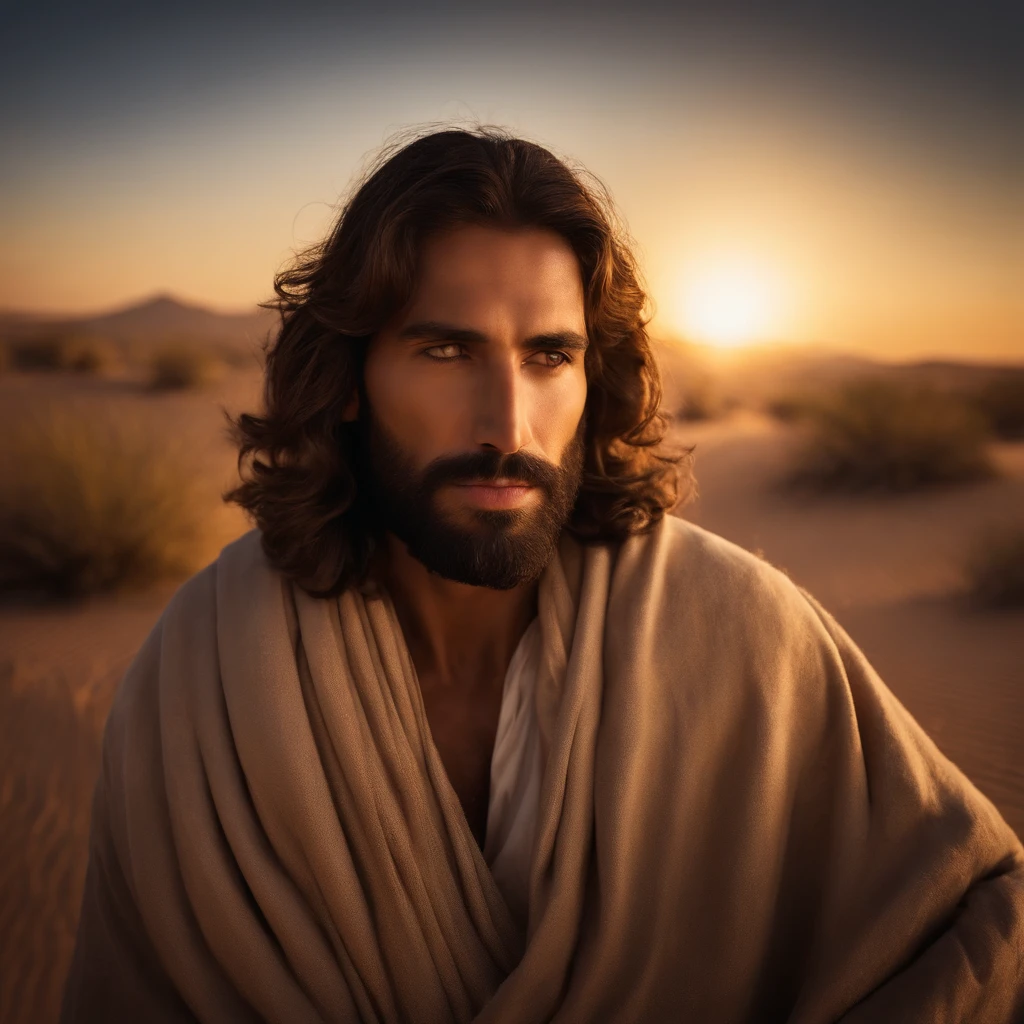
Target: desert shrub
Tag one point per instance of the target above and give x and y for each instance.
(701, 399)
(38, 354)
(1001, 402)
(789, 408)
(883, 436)
(183, 365)
(93, 503)
(89, 355)
(995, 568)
(80, 353)
(240, 358)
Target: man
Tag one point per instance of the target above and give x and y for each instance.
(469, 729)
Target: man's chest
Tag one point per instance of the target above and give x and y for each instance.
(464, 729)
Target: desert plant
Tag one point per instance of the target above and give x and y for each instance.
(80, 353)
(38, 354)
(1001, 401)
(183, 365)
(239, 358)
(701, 398)
(89, 355)
(995, 568)
(92, 503)
(789, 408)
(884, 436)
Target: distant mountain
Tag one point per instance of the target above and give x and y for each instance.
(158, 319)
(755, 375)
(751, 374)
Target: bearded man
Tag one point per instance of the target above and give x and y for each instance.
(468, 729)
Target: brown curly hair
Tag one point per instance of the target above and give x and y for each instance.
(298, 462)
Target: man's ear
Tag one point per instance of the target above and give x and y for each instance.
(351, 410)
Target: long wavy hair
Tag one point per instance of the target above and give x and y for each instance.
(298, 462)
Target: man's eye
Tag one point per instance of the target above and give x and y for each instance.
(451, 351)
(441, 348)
(562, 358)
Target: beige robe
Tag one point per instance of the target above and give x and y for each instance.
(517, 768)
(738, 822)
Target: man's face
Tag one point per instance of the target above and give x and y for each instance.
(474, 436)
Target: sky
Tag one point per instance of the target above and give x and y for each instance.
(846, 175)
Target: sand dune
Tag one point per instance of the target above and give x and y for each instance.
(889, 569)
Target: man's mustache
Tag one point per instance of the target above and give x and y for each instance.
(476, 466)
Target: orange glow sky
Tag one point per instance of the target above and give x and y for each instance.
(777, 192)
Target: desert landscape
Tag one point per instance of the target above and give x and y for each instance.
(914, 571)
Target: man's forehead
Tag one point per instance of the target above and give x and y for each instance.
(531, 296)
(473, 259)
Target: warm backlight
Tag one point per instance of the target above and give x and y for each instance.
(730, 304)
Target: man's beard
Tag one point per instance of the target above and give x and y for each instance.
(496, 548)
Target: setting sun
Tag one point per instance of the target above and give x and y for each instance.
(731, 303)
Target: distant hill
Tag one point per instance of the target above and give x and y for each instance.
(756, 376)
(749, 376)
(158, 319)
(752, 376)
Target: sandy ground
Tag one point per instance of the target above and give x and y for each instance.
(889, 569)
(59, 667)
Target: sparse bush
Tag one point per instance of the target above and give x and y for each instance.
(1001, 401)
(91, 504)
(79, 353)
(89, 355)
(184, 366)
(877, 435)
(240, 358)
(38, 354)
(789, 408)
(701, 399)
(995, 568)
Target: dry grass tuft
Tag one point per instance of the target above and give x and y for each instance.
(995, 568)
(241, 358)
(701, 398)
(1001, 401)
(877, 435)
(92, 504)
(80, 353)
(789, 408)
(184, 365)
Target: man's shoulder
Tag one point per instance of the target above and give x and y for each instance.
(691, 564)
(715, 603)
(240, 565)
(192, 616)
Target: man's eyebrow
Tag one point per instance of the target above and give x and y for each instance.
(432, 330)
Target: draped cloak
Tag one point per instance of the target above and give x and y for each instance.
(737, 822)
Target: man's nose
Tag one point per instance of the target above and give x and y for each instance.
(502, 414)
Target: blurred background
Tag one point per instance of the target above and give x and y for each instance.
(827, 205)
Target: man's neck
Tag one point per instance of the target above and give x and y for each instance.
(458, 635)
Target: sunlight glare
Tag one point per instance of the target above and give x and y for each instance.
(730, 304)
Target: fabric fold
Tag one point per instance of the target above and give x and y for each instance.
(736, 822)
(516, 769)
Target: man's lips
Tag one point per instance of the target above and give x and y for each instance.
(502, 481)
(501, 493)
